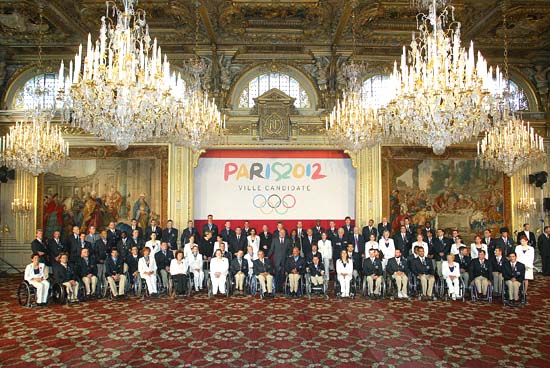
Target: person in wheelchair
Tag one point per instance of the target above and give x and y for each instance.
(464, 262)
(179, 269)
(513, 273)
(372, 270)
(163, 259)
(219, 268)
(422, 268)
(148, 271)
(496, 264)
(133, 263)
(398, 268)
(316, 270)
(239, 271)
(295, 267)
(86, 269)
(114, 270)
(65, 275)
(481, 273)
(196, 266)
(36, 275)
(344, 272)
(314, 252)
(264, 272)
(225, 253)
(450, 271)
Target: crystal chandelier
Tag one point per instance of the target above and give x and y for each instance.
(123, 91)
(34, 145)
(21, 204)
(443, 95)
(527, 205)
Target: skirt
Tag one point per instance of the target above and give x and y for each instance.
(528, 273)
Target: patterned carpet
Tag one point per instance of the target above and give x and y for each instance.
(246, 332)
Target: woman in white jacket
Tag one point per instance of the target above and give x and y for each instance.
(476, 246)
(387, 247)
(325, 248)
(147, 268)
(344, 272)
(219, 267)
(196, 266)
(36, 275)
(153, 245)
(254, 241)
(451, 274)
(526, 255)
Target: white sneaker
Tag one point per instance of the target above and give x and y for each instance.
(404, 295)
(399, 294)
(453, 297)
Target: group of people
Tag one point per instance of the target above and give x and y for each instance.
(114, 258)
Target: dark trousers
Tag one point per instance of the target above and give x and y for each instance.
(280, 276)
(180, 283)
(546, 265)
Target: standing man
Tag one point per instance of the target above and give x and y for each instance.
(280, 250)
(544, 249)
(369, 230)
(383, 226)
(505, 242)
(358, 243)
(73, 242)
(227, 232)
(529, 235)
(189, 231)
(170, 236)
(318, 229)
(210, 226)
(237, 242)
(265, 239)
(154, 228)
(307, 242)
(39, 247)
(135, 226)
(348, 229)
(113, 235)
(77, 248)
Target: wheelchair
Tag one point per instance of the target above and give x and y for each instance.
(505, 296)
(365, 288)
(26, 294)
(256, 288)
(227, 286)
(474, 293)
(354, 282)
(145, 292)
(105, 289)
(233, 285)
(301, 286)
(444, 290)
(311, 289)
(172, 285)
(415, 287)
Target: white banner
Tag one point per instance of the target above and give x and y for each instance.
(274, 188)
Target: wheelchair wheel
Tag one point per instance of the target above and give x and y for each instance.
(104, 288)
(59, 294)
(209, 287)
(24, 294)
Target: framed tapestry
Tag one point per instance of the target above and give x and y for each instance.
(98, 185)
(450, 191)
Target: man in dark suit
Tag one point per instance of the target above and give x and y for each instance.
(544, 249)
(427, 227)
(513, 273)
(383, 226)
(295, 267)
(300, 234)
(246, 228)
(411, 230)
(73, 242)
(163, 259)
(239, 271)
(372, 269)
(124, 245)
(307, 241)
(368, 230)
(505, 242)
(402, 240)
(136, 240)
(64, 274)
(464, 263)
(316, 270)
(490, 242)
(332, 232)
(398, 270)
(55, 247)
(86, 269)
(170, 235)
(280, 227)
(134, 226)
(39, 247)
(132, 261)
(339, 244)
(422, 268)
(318, 229)
(189, 231)
(264, 272)
(211, 227)
(358, 242)
(227, 233)
(481, 273)
(348, 229)
(441, 248)
(280, 249)
(114, 271)
(531, 240)
(496, 265)
(265, 239)
(237, 241)
(77, 248)
(113, 235)
(206, 245)
(102, 251)
(153, 228)
(314, 253)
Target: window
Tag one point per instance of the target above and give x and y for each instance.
(263, 83)
(377, 90)
(45, 85)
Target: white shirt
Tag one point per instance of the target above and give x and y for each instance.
(250, 260)
(371, 245)
(154, 246)
(389, 250)
(423, 245)
(29, 272)
(219, 265)
(474, 253)
(455, 247)
(217, 246)
(188, 250)
(177, 268)
(446, 271)
(527, 258)
(254, 243)
(348, 269)
(143, 267)
(325, 248)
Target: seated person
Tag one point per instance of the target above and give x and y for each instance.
(496, 265)
(314, 252)
(344, 272)
(450, 271)
(239, 270)
(295, 267)
(398, 268)
(65, 275)
(179, 269)
(219, 268)
(147, 268)
(195, 262)
(356, 259)
(464, 262)
(422, 268)
(250, 257)
(86, 269)
(513, 273)
(481, 272)
(372, 269)
(325, 248)
(188, 248)
(114, 270)
(225, 253)
(36, 274)
(264, 272)
(316, 270)
(133, 261)
(162, 260)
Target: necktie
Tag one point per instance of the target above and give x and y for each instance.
(238, 237)
(281, 240)
(403, 237)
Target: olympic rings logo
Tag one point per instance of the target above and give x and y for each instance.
(267, 205)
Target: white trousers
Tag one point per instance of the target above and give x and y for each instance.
(218, 283)
(198, 279)
(151, 281)
(454, 286)
(344, 284)
(42, 289)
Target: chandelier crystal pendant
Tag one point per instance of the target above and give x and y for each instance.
(123, 90)
(443, 94)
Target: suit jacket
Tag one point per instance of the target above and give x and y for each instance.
(124, 247)
(72, 243)
(418, 267)
(76, 249)
(299, 264)
(238, 244)
(40, 246)
(102, 251)
(360, 243)
(265, 241)
(506, 247)
(279, 252)
(497, 266)
(464, 262)
(532, 240)
(393, 267)
(332, 234)
(132, 263)
(485, 271)
(441, 246)
(338, 245)
(171, 237)
(403, 245)
(114, 268)
(367, 232)
(113, 237)
(544, 245)
(306, 244)
(518, 272)
(309, 257)
(213, 230)
(54, 249)
(234, 267)
(140, 232)
(261, 267)
(186, 233)
(382, 228)
(149, 231)
(206, 247)
(227, 234)
(372, 268)
(83, 269)
(318, 231)
(139, 243)
(490, 246)
(63, 274)
(162, 260)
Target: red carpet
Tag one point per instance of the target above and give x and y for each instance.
(245, 332)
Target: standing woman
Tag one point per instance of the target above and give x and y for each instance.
(253, 241)
(219, 267)
(476, 246)
(153, 245)
(526, 255)
(147, 268)
(36, 275)
(178, 269)
(456, 246)
(344, 270)
(325, 248)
